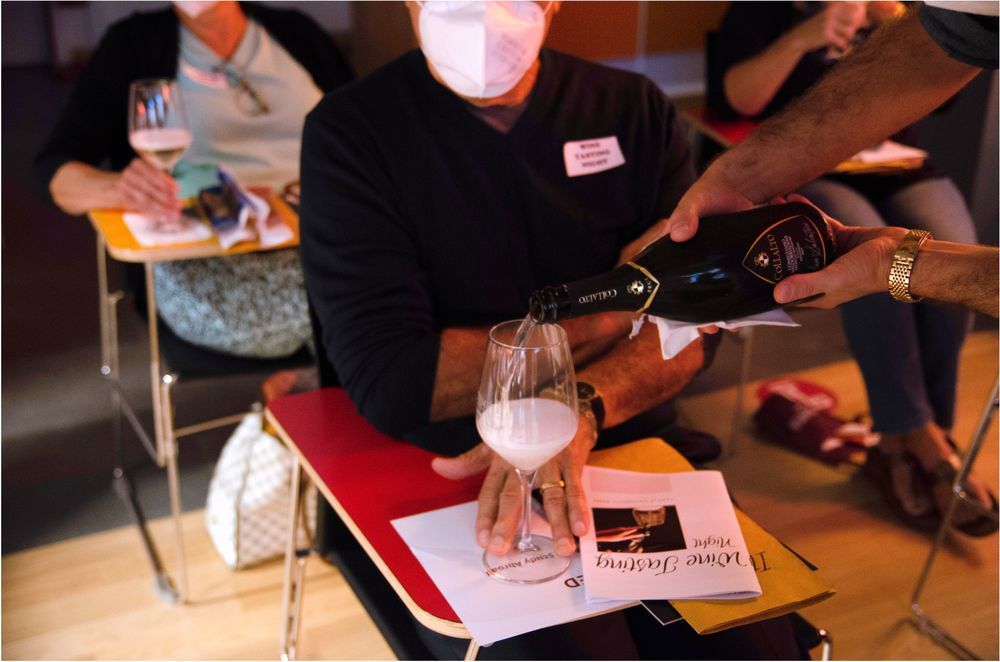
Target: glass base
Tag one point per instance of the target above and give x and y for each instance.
(533, 566)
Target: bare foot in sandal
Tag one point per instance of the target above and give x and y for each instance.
(908, 487)
(939, 460)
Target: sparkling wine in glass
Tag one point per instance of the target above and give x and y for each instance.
(527, 413)
(157, 124)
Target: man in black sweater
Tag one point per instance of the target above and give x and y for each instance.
(437, 195)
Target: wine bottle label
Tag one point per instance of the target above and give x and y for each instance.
(644, 285)
(631, 287)
(790, 246)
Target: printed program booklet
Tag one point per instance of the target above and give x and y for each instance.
(663, 536)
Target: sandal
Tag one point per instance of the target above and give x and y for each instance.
(945, 472)
(878, 466)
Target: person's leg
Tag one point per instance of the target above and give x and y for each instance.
(773, 639)
(251, 305)
(604, 637)
(936, 205)
(882, 334)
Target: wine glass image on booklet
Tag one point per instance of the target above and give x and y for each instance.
(638, 530)
(527, 413)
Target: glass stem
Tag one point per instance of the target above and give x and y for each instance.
(526, 477)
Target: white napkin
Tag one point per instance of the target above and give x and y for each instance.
(254, 207)
(675, 336)
(271, 231)
(150, 232)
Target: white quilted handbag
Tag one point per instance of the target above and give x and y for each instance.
(248, 498)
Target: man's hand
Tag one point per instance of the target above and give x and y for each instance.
(862, 268)
(141, 187)
(500, 502)
(712, 194)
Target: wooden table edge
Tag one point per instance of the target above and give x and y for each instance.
(701, 125)
(442, 626)
(197, 249)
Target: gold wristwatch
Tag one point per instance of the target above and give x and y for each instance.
(902, 265)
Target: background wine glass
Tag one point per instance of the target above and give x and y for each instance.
(527, 413)
(647, 519)
(157, 123)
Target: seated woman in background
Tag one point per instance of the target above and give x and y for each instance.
(767, 54)
(247, 305)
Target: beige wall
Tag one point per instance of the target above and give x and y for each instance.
(681, 26)
(382, 33)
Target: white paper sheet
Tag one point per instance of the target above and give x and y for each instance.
(675, 336)
(691, 547)
(271, 229)
(150, 232)
(445, 544)
(889, 150)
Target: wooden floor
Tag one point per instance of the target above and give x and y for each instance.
(92, 598)
(837, 520)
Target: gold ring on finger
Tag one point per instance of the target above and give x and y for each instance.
(554, 483)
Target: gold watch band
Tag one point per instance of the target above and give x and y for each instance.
(902, 265)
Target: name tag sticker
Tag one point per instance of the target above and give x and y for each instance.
(585, 157)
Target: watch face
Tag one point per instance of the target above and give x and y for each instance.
(585, 391)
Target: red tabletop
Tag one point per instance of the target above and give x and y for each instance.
(370, 479)
(726, 133)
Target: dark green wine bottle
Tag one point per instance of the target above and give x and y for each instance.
(726, 271)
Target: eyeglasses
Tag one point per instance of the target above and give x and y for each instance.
(247, 98)
(519, 8)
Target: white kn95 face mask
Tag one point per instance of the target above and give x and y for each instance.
(193, 8)
(481, 49)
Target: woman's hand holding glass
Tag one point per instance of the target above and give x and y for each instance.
(144, 188)
(158, 132)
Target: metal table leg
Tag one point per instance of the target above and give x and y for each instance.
(746, 355)
(166, 441)
(295, 563)
(924, 622)
(122, 485)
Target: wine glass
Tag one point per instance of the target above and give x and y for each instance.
(157, 123)
(647, 519)
(527, 412)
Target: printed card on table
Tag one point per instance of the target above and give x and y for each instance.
(444, 542)
(663, 536)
